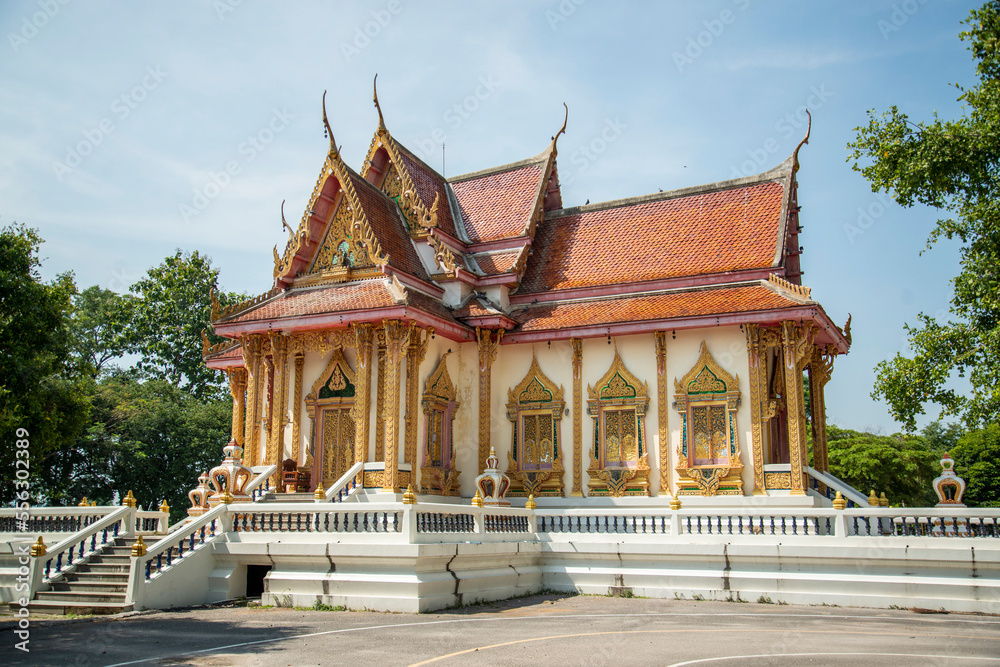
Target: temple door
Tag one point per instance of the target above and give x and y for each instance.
(336, 442)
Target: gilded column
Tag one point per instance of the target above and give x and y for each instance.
(397, 342)
(238, 388)
(577, 417)
(361, 412)
(380, 397)
(252, 345)
(488, 347)
(797, 351)
(267, 419)
(820, 370)
(300, 359)
(414, 357)
(660, 338)
(757, 357)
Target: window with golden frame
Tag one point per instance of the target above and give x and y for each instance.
(437, 473)
(535, 408)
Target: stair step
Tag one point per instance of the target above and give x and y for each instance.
(73, 577)
(73, 596)
(89, 586)
(82, 608)
(105, 568)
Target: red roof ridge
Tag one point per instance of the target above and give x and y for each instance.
(782, 171)
(529, 162)
(656, 292)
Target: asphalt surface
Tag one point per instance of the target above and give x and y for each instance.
(539, 630)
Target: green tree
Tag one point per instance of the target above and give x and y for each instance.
(40, 388)
(977, 460)
(96, 339)
(950, 165)
(901, 466)
(163, 318)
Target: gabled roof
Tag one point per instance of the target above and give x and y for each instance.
(722, 227)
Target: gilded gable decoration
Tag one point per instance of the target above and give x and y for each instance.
(619, 462)
(535, 408)
(348, 237)
(708, 458)
(438, 474)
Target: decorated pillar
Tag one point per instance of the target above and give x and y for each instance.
(489, 344)
(660, 338)
(820, 370)
(267, 416)
(796, 343)
(414, 357)
(300, 359)
(252, 345)
(279, 403)
(380, 397)
(238, 387)
(577, 491)
(397, 343)
(759, 340)
(361, 412)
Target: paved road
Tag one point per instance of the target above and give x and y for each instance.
(540, 630)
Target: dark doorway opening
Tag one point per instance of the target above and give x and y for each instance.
(255, 579)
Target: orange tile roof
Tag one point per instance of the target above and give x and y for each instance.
(362, 295)
(387, 224)
(555, 315)
(429, 184)
(500, 262)
(475, 307)
(706, 232)
(498, 204)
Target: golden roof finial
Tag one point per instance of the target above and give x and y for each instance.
(562, 130)
(328, 130)
(381, 120)
(284, 223)
(805, 140)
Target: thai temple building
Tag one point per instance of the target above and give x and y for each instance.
(459, 390)
(644, 347)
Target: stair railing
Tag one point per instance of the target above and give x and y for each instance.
(848, 491)
(346, 486)
(260, 486)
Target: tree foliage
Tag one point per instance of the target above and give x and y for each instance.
(901, 466)
(977, 460)
(40, 388)
(950, 165)
(163, 318)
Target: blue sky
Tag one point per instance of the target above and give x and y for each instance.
(128, 130)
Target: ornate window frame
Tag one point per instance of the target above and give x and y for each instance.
(324, 395)
(536, 396)
(618, 391)
(438, 475)
(707, 389)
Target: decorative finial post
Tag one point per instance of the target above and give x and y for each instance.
(409, 498)
(949, 487)
(139, 548)
(531, 504)
(675, 502)
(883, 501)
(872, 498)
(129, 500)
(84, 502)
(38, 548)
(327, 129)
(493, 484)
(320, 492)
(381, 121)
(164, 507)
(838, 502)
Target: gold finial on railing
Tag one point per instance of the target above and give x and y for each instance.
(675, 502)
(164, 507)
(129, 500)
(320, 492)
(883, 501)
(93, 503)
(226, 497)
(409, 498)
(477, 499)
(531, 504)
(84, 502)
(873, 499)
(139, 548)
(838, 502)
(38, 548)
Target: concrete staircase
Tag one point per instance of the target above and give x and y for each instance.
(298, 497)
(97, 586)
